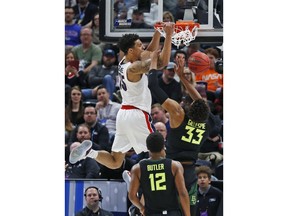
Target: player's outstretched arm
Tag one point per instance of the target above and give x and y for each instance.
(173, 107)
(179, 69)
(178, 171)
(164, 57)
(154, 43)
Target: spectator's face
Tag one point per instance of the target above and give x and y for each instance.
(86, 36)
(69, 58)
(212, 60)
(167, 18)
(92, 197)
(179, 56)
(89, 115)
(169, 74)
(188, 74)
(69, 14)
(83, 134)
(157, 114)
(161, 128)
(102, 95)
(75, 96)
(203, 180)
(96, 20)
(108, 60)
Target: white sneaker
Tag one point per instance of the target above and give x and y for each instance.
(127, 178)
(79, 152)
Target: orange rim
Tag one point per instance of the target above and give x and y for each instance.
(180, 25)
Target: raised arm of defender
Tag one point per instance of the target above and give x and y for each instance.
(173, 107)
(179, 70)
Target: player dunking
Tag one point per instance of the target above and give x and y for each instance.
(132, 122)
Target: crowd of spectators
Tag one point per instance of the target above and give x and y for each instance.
(92, 96)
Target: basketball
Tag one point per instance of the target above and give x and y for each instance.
(198, 62)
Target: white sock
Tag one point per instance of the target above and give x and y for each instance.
(92, 154)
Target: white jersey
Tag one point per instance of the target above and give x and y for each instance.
(136, 94)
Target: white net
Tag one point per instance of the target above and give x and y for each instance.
(180, 35)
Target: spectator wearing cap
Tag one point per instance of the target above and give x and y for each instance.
(169, 84)
(104, 74)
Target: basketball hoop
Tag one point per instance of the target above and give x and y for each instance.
(185, 31)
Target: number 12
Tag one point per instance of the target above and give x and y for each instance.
(157, 180)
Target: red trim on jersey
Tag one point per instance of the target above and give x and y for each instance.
(148, 122)
(128, 107)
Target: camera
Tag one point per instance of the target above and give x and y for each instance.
(219, 66)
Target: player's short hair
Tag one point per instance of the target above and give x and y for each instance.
(199, 111)
(127, 41)
(155, 142)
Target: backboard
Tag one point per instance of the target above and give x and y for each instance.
(118, 17)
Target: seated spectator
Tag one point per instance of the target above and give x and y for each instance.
(75, 107)
(99, 133)
(72, 77)
(210, 150)
(214, 79)
(169, 84)
(190, 76)
(200, 162)
(72, 30)
(84, 12)
(161, 128)
(87, 53)
(168, 17)
(171, 6)
(158, 114)
(94, 25)
(209, 198)
(83, 133)
(85, 168)
(107, 111)
(104, 74)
